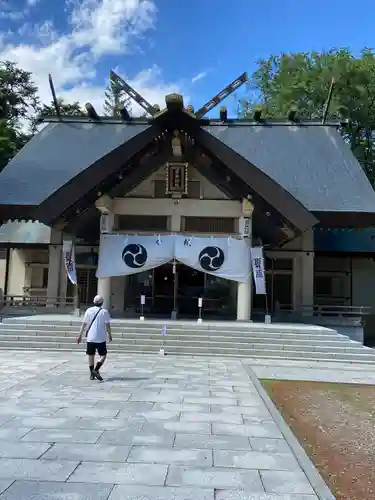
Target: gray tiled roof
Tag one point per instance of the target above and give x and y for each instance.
(313, 163)
(57, 154)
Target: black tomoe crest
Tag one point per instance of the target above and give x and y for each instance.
(134, 255)
(211, 258)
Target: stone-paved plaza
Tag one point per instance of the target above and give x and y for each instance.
(157, 428)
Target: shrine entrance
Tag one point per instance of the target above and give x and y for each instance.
(173, 290)
(176, 289)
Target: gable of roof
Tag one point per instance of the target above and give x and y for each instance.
(56, 155)
(313, 163)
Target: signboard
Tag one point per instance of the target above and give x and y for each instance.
(257, 264)
(176, 178)
(143, 300)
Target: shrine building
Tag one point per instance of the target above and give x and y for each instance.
(168, 206)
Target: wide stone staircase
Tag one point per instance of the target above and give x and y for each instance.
(256, 340)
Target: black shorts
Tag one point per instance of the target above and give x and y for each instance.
(92, 347)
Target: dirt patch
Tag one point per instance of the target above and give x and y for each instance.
(335, 423)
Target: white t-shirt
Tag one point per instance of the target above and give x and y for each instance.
(97, 332)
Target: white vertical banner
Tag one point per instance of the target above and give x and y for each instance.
(69, 261)
(257, 264)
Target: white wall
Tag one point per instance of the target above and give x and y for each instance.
(363, 282)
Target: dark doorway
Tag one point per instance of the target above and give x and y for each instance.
(190, 288)
(163, 289)
(180, 290)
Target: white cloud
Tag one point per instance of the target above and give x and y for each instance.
(199, 76)
(97, 28)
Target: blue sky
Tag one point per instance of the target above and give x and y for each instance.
(192, 46)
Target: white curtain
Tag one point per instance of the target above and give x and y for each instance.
(223, 257)
(122, 255)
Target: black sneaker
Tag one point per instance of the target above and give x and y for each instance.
(97, 375)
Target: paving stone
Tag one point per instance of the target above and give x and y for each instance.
(87, 412)
(159, 493)
(161, 438)
(4, 484)
(18, 449)
(270, 445)
(251, 400)
(214, 478)
(255, 460)
(286, 482)
(181, 427)
(37, 470)
(210, 442)
(88, 452)
(62, 436)
(178, 407)
(243, 495)
(158, 415)
(208, 401)
(17, 411)
(114, 472)
(129, 407)
(13, 433)
(109, 396)
(184, 392)
(192, 457)
(249, 411)
(262, 430)
(42, 422)
(31, 490)
(211, 417)
(244, 390)
(133, 424)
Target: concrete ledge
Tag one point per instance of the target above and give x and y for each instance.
(316, 481)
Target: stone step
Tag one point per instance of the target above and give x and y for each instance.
(193, 351)
(139, 328)
(248, 338)
(218, 328)
(340, 346)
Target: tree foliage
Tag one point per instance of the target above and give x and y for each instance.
(73, 109)
(18, 99)
(114, 96)
(303, 80)
(18, 94)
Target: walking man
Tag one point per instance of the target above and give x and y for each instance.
(96, 325)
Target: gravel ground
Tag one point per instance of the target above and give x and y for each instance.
(335, 423)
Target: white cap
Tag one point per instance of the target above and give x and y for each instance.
(98, 300)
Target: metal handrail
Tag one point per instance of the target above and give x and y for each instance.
(18, 301)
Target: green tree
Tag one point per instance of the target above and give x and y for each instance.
(18, 94)
(303, 80)
(73, 109)
(114, 96)
(18, 100)
(11, 141)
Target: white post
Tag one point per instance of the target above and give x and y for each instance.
(244, 289)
